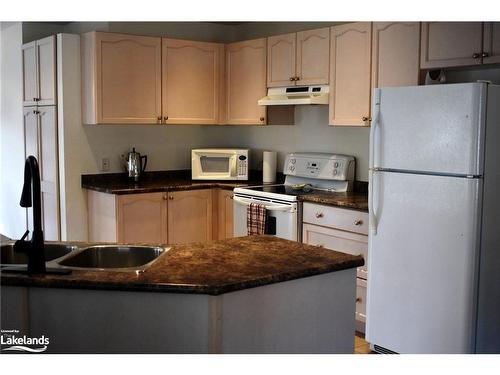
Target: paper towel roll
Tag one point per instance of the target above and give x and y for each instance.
(269, 166)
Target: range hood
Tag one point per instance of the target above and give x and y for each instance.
(296, 95)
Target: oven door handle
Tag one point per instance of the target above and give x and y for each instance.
(278, 207)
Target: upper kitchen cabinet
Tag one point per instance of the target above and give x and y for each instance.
(281, 60)
(350, 62)
(298, 58)
(313, 57)
(491, 43)
(395, 54)
(447, 44)
(192, 81)
(121, 78)
(246, 82)
(39, 72)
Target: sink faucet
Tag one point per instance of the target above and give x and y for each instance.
(31, 197)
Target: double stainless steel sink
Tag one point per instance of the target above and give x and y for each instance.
(133, 258)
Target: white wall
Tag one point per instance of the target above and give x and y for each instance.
(12, 216)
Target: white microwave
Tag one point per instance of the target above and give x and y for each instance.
(219, 164)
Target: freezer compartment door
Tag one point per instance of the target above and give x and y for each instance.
(422, 262)
(437, 129)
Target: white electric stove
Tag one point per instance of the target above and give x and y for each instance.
(306, 173)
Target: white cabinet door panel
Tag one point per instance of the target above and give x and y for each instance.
(46, 52)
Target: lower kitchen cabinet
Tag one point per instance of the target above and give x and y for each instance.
(130, 218)
(142, 218)
(165, 217)
(189, 216)
(342, 230)
(224, 214)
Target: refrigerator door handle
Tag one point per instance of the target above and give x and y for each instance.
(376, 114)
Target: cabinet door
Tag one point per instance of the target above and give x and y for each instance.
(225, 214)
(446, 44)
(339, 240)
(30, 74)
(350, 56)
(313, 57)
(281, 60)
(395, 54)
(46, 58)
(190, 81)
(246, 82)
(189, 216)
(491, 48)
(128, 75)
(49, 171)
(142, 218)
(31, 146)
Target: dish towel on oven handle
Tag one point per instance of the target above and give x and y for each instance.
(256, 219)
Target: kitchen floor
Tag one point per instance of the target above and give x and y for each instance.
(360, 345)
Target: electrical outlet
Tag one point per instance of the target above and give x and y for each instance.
(105, 165)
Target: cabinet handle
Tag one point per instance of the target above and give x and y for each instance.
(297, 78)
(158, 119)
(171, 197)
(358, 300)
(358, 222)
(165, 118)
(262, 119)
(292, 79)
(485, 54)
(366, 118)
(319, 215)
(35, 112)
(476, 55)
(164, 197)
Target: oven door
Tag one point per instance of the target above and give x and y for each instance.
(282, 216)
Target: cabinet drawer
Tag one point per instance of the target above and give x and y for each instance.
(334, 239)
(333, 217)
(361, 300)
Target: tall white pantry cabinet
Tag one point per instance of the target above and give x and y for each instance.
(40, 127)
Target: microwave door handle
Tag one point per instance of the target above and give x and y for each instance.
(277, 207)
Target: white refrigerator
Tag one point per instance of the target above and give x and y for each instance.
(434, 202)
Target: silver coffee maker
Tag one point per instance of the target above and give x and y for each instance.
(134, 164)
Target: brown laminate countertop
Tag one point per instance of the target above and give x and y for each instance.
(119, 183)
(213, 268)
(150, 182)
(351, 200)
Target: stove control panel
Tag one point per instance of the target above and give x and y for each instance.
(320, 166)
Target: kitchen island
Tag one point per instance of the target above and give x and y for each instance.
(257, 294)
